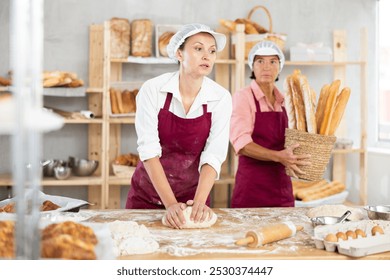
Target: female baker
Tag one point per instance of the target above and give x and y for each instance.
(182, 123)
(257, 129)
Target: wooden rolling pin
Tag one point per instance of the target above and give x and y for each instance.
(268, 234)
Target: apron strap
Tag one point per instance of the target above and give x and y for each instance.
(167, 101)
(257, 103)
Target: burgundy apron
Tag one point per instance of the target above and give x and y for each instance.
(182, 142)
(264, 183)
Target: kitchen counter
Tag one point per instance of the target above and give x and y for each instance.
(218, 242)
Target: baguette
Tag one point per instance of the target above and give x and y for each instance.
(329, 108)
(341, 103)
(321, 106)
(288, 104)
(309, 105)
(318, 186)
(298, 101)
(332, 189)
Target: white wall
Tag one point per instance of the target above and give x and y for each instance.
(308, 21)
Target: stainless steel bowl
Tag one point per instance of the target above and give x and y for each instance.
(325, 220)
(48, 168)
(379, 212)
(83, 167)
(62, 172)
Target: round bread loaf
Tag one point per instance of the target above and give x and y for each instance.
(163, 41)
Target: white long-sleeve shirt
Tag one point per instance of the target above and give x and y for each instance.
(151, 98)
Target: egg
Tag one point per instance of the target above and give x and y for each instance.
(341, 235)
(360, 232)
(376, 229)
(331, 237)
(351, 234)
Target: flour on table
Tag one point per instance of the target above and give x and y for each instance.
(131, 238)
(335, 210)
(192, 224)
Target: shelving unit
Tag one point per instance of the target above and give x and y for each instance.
(104, 132)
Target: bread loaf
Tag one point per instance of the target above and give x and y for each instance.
(288, 104)
(331, 189)
(229, 24)
(329, 108)
(120, 37)
(163, 41)
(141, 37)
(308, 97)
(298, 101)
(341, 103)
(114, 101)
(321, 106)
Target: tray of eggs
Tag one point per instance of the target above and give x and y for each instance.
(355, 239)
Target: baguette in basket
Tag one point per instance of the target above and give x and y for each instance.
(313, 126)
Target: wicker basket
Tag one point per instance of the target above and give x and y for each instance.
(318, 146)
(252, 39)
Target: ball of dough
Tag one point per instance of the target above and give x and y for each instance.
(360, 232)
(191, 224)
(331, 237)
(377, 230)
(341, 235)
(351, 234)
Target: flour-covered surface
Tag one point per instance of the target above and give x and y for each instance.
(219, 240)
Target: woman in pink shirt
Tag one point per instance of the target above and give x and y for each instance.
(257, 128)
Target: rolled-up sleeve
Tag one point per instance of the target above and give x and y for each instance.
(242, 120)
(217, 144)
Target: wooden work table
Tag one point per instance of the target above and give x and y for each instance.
(218, 241)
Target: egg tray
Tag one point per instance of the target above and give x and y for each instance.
(359, 247)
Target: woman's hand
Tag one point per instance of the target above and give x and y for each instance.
(174, 215)
(291, 161)
(200, 211)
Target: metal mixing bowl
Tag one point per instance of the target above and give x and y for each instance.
(48, 168)
(380, 212)
(83, 167)
(62, 172)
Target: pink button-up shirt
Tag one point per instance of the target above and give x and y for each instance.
(244, 110)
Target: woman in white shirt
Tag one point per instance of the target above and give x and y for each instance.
(182, 124)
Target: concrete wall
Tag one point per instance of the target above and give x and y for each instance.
(66, 48)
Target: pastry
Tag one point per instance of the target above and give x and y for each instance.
(47, 205)
(65, 246)
(76, 230)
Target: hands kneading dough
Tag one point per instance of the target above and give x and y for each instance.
(192, 224)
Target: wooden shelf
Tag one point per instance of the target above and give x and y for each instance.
(122, 120)
(6, 180)
(83, 121)
(324, 63)
(348, 151)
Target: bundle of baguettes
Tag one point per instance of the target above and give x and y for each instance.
(61, 79)
(303, 112)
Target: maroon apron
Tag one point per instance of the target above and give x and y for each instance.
(182, 142)
(264, 183)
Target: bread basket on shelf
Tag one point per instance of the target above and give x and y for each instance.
(318, 146)
(265, 33)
